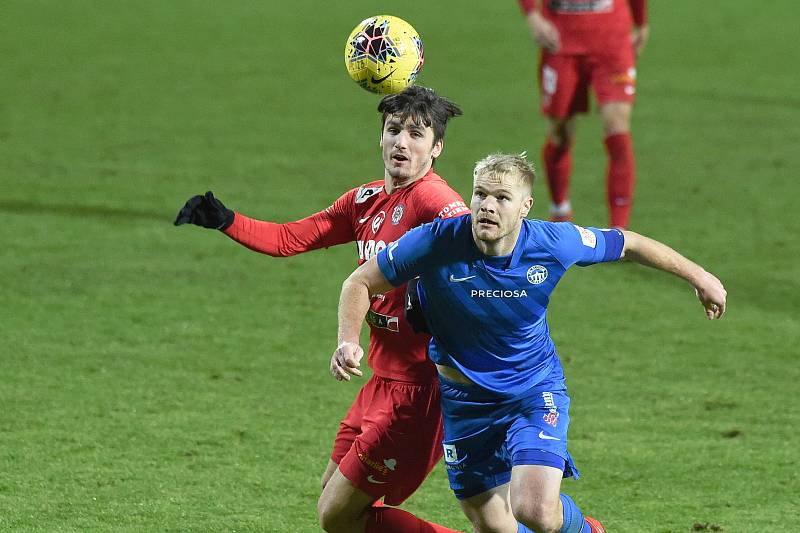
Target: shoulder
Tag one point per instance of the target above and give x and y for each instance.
(451, 226)
(550, 233)
(351, 201)
(433, 183)
(433, 197)
(558, 238)
(447, 230)
(366, 192)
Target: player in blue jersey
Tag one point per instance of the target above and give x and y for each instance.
(485, 282)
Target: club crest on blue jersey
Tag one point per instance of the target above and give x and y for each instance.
(537, 274)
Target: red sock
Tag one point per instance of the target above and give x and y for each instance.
(620, 178)
(393, 520)
(558, 167)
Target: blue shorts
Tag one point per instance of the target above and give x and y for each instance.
(485, 436)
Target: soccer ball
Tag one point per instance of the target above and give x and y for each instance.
(383, 54)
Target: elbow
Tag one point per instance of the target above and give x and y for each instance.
(354, 282)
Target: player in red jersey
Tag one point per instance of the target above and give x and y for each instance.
(588, 42)
(390, 439)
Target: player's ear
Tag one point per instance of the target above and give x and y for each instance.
(527, 205)
(438, 146)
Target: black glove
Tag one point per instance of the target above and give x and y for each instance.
(414, 313)
(205, 211)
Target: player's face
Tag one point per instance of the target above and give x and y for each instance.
(408, 149)
(498, 207)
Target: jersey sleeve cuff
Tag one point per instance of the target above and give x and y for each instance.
(387, 269)
(614, 241)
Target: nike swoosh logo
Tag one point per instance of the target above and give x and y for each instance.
(454, 279)
(547, 437)
(373, 480)
(373, 80)
(362, 220)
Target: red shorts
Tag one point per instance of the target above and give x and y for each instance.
(391, 438)
(564, 80)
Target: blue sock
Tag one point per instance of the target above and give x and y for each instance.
(573, 518)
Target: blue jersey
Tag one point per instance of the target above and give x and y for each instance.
(487, 313)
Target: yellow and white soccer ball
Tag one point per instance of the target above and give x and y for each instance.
(384, 54)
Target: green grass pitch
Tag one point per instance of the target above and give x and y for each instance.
(164, 379)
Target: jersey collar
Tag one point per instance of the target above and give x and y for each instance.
(506, 262)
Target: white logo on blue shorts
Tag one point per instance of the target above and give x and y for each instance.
(450, 455)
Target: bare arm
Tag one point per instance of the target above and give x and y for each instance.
(641, 30)
(543, 31)
(648, 252)
(366, 281)
(640, 35)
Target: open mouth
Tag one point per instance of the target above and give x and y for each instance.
(399, 158)
(486, 222)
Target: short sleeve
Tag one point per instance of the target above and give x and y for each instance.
(408, 256)
(586, 246)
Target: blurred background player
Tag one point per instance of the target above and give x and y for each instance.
(485, 281)
(588, 43)
(390, 439)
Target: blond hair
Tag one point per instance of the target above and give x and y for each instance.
(499, 167)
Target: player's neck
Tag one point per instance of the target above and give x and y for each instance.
(390, 184)
(500, 247)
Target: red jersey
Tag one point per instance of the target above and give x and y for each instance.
(373, 219)
(591, 26)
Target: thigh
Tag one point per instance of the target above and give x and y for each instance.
(562, 85)
(399, 441)
(342, 505)
(613, 76)
(476, 462)
(542, 426)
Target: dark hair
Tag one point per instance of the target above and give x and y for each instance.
(423, 106)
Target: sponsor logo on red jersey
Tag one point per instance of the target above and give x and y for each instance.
(453, 209)
(580, 6)
(377, 221)
(365, 193)
(378, 320)
(369, 249)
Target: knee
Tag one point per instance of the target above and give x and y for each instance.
(561, 131)
(616, 118)
(541, 516)
(492, 525)
(328, 517)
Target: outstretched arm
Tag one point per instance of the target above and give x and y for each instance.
(365, 282)
(649, 252)
(320, 230)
